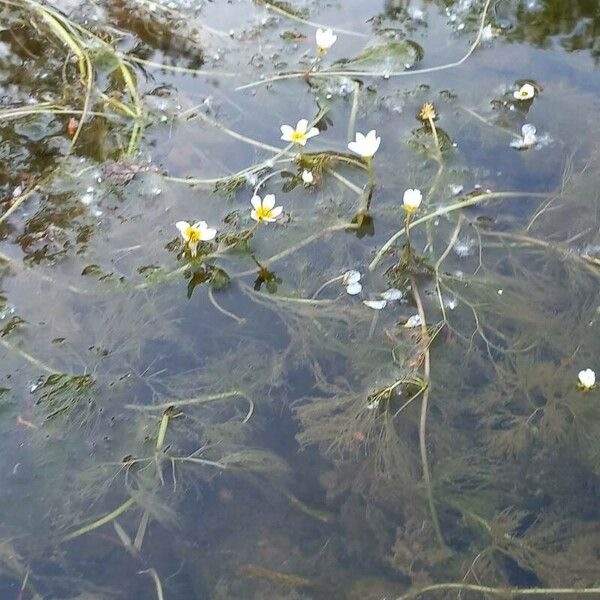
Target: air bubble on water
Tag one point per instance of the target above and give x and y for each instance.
(450, 303)
(88, 197)
(8, 310)
(416, 14)
(464, 247)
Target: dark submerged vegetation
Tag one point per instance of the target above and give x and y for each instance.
(234, 424)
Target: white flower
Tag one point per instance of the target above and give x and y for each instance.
(351, 281)
(375, 304)
(412, 200)
(587, 379)
(265, 210)
(392, 294)
(325, 39)
(365, 145)
(194, 234)
(299, 135)
(307, 177)
(529, 133)
(373, 404)
(525, 92)
(414, 321)
(487, 34)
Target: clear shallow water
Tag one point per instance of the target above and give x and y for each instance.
(292, 463)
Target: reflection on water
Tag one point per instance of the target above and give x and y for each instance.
(348, 399)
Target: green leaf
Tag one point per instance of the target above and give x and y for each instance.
(383, 57)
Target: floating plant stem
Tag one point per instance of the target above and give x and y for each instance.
(501, 592)
(353, 112)
(326, 284)
(28, 357)
(223, 311)
(157, 583)
(106, 519)
(196, 401)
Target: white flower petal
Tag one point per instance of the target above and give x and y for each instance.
(392, 294)
(351, 276)
(268, 201)
(412, 199)
(375, 304)
(414, 321)
(354, 288)
(528, 129)
(354, 147)
(587, 378)
(313, 131)
(254, 215)
(200, 225)
(307, 177)
(184, 228)
(287, 131)
(302, 126)
(208, 233)
(256, 202)
(276, 212)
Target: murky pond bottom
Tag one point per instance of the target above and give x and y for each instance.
(291, 313)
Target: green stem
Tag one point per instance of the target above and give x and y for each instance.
(106, 519)
(502, 592)
(370, 171)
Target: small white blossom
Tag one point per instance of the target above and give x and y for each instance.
(307, 177)
(587, 379)
(265, 210)
(412, 200)
(487, 34)
(365, 145)
(194, 234)
(300, 135)
(525, 92)
(325, 38)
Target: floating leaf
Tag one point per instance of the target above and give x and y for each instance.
(384, 57)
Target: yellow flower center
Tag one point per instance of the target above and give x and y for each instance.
(298, 137)
(263, 213)
(194, 235)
